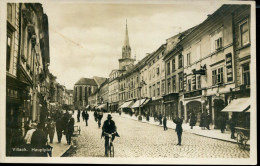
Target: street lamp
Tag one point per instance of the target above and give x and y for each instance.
(142, 83)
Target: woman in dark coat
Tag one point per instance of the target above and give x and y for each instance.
(203, 121)
(222, 123)
(70, 130)
(193, 119)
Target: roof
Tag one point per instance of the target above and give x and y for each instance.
(86, 81)
(99, 80)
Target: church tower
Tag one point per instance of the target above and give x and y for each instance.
(126, 60)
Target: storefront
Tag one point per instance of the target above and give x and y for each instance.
(171, 105)
(154, 107)
(126, 107)
(113, 107)
(103, 107)
(138, 104)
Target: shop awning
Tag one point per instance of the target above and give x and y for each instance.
(238, 105)
(104, 106)
(137, 103)
(127, 104)
(146, 101)
(87, 106)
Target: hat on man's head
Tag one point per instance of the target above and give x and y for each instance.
(109, 116)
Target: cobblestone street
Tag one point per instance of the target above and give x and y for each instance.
(144, 140)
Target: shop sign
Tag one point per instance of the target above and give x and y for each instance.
(193, 94)
(229, 67)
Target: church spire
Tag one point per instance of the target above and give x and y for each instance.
(126, 36)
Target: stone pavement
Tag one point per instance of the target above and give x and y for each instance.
(212, 133)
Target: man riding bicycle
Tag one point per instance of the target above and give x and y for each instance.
(109, 127)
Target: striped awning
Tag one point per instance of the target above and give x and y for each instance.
(127, 104)
(238, 105)
(137, 103)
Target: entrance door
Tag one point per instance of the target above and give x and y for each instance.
(196, 107)
(218, 106)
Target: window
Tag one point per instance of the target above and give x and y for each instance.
(169, 85)
(189, 84)
(180, 61)
(246, 74)
(217, 76)
(150, 75)
(218, 43)
(158, 71)
(168, 68)
(174, 84)
(173, 65)
(163, 87)
(188, 59)
(86, 93)
(181, 81)
(150, 91)
(158, 89)
(244, 33)
(199, 81)
(9, 12)
(8, 52)
(153, 90)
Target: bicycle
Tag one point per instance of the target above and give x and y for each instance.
(110, 146)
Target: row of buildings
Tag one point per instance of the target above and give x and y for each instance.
(205, 69)
(32, 92)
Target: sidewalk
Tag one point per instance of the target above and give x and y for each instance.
(212, 133)
(59, 148)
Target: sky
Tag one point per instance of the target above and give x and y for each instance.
(86, 39)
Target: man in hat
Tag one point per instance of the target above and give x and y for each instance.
(178, 121)
(109, 127)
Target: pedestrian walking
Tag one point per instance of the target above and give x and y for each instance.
(70, 130)
(147, 117)
(222, 123)
(78, 115)
(203, 121)
(178, 121)
(232, 125)
(83, 115)
(50, 129)
(208, 121)
(165, 123)
(95, 115)
(160, 118)
(59, 128)
(86, 117)
(193, 119)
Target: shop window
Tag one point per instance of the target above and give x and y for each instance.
(244, 33)
(246, 74)
(217, 76)
(173, 65)
(180, 61)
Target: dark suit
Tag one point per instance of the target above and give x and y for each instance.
(108, 127)
(178, 129)
(59, 128)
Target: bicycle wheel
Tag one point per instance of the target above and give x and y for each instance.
(111, 151)
(240, 139)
